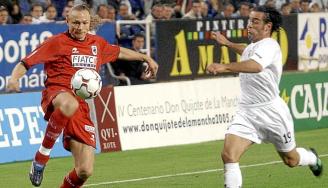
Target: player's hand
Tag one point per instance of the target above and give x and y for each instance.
(150, 71)
(13, 85)
(216, 68)
(218, 37)
(143, 75)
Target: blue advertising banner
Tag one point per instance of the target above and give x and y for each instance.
(22, 127)
(108, 32)
(17, 41)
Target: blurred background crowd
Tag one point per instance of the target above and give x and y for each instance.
(44, 11)
(133, 36)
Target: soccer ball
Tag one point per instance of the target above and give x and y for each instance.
(86, 83)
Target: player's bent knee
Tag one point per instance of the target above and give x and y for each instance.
(84, 173)
(67, 103)
(69, 107)
(228, 157)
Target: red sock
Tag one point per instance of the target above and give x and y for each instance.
(41, 159)
(55, 126)
(72, 180)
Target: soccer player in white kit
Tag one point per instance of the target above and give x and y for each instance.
(262, 115)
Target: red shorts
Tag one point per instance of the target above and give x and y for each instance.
(80, 126)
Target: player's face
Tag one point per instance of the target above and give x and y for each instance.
(78, 24)
(3, 17)
(26, 20)
(244, 10)
(51, 13)
(37, 11)
(138, 43)
(257, 27)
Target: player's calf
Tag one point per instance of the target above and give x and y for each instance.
(291, 158)
(291, 161)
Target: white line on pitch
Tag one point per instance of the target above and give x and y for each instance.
(183, 174)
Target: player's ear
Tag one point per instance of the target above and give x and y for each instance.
(268, 26)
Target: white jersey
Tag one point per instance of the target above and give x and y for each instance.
(261, 87)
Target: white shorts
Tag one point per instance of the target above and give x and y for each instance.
(268, 122)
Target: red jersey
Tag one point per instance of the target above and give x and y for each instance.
(62, 56)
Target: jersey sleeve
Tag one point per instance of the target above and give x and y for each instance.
(42, 54)
(265, 52)
(110, 52)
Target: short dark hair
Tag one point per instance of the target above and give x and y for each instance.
(51, 5)
(138, 35)
(101, 5)
(36, 5)
(27, 14)
(246, 4)
(271, 15)
(284, 5)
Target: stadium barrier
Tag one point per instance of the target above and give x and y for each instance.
(22, 127)
(174, 113)
(307, 97)
(312, 41)
(164, 114)
(184, 50)
(107, 120)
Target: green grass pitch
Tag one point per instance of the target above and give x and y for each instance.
(186, 166)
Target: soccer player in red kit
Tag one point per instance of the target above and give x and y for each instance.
(62, 55)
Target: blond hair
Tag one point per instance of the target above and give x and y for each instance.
(95, 20)
(81, 7)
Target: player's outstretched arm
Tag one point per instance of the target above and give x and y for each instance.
(131, 55)
(13, 83)
(237, 47)
(248, 66)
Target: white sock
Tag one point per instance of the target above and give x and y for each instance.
(306, 157)
(44, 151)
(232, 175)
